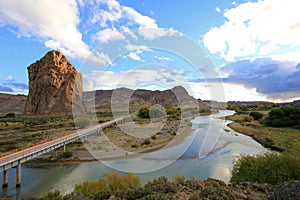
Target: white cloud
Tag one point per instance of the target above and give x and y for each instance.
(108, 34)
(134, 79)
(134, 56)
(109, 14)
(9, 78)
(141, 20)
(256, 28)
(131, 47)
(99, 58)
(218, 9)
(155, 33)
(224, 92)
(55, 22)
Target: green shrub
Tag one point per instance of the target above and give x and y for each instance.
(143, 113)
(55, 195)
(179, 179)
(67, 154)
(90, 188)
(81, 122)
(256, 115)
(146, 141)
(284, 116)
(154, 137)
(269, 168)
(10, 115)
(161, 185)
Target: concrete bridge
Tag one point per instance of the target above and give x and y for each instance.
(16, 159)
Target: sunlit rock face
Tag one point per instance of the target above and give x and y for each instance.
(54, 86)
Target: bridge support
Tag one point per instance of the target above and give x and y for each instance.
(65, 148)
(18, 175)
(5, 179)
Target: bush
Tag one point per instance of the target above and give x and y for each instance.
(179, 179)
(81, 122)
(256, 115)
(67, 154)
(106, 187)
(55, 195)
(284, 116)
(248, 118)
(146, 141)
(269, 168)
(143, 113)
(154, 137)
(10, 115)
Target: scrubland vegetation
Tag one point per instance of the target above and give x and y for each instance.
(277, 129)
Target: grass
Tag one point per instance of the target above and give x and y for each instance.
(280, 139)
(21, 131)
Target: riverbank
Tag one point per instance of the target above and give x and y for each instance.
(279, 139)
(114, 141)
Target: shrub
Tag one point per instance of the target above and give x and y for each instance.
(146, 141)
(284, 116)
(90, 188)
(143, 113)
(154, 137)
(269, 168)
(55, 195)
(106, 187)
(160, 185)
(248, 118)
(256, 115)
(67, 154)
(81, 122)
(10, 115)
(179, 179)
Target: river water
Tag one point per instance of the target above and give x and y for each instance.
(209, 151)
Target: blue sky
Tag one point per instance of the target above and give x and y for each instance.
(253, 45)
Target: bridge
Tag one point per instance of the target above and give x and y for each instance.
(19, 157)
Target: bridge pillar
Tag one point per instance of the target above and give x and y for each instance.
(5, 179)
(18, 175)
(64, 148)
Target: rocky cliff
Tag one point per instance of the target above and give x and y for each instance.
(54, 85)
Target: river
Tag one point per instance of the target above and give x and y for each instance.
(211, 150)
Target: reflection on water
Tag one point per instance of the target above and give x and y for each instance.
(211, 153)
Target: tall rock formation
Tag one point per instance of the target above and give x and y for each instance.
(54, 86)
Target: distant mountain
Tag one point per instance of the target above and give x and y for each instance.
(101, 100)
(121, 98)
(249, 103)
(12, 103)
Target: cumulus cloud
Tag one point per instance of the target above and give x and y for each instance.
(268, 76)
(54, 22)
(134, 79)
(218, 9)
(114, 18)
(108, 34)
(256, 28)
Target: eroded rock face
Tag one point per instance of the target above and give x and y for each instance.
(54, 85)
